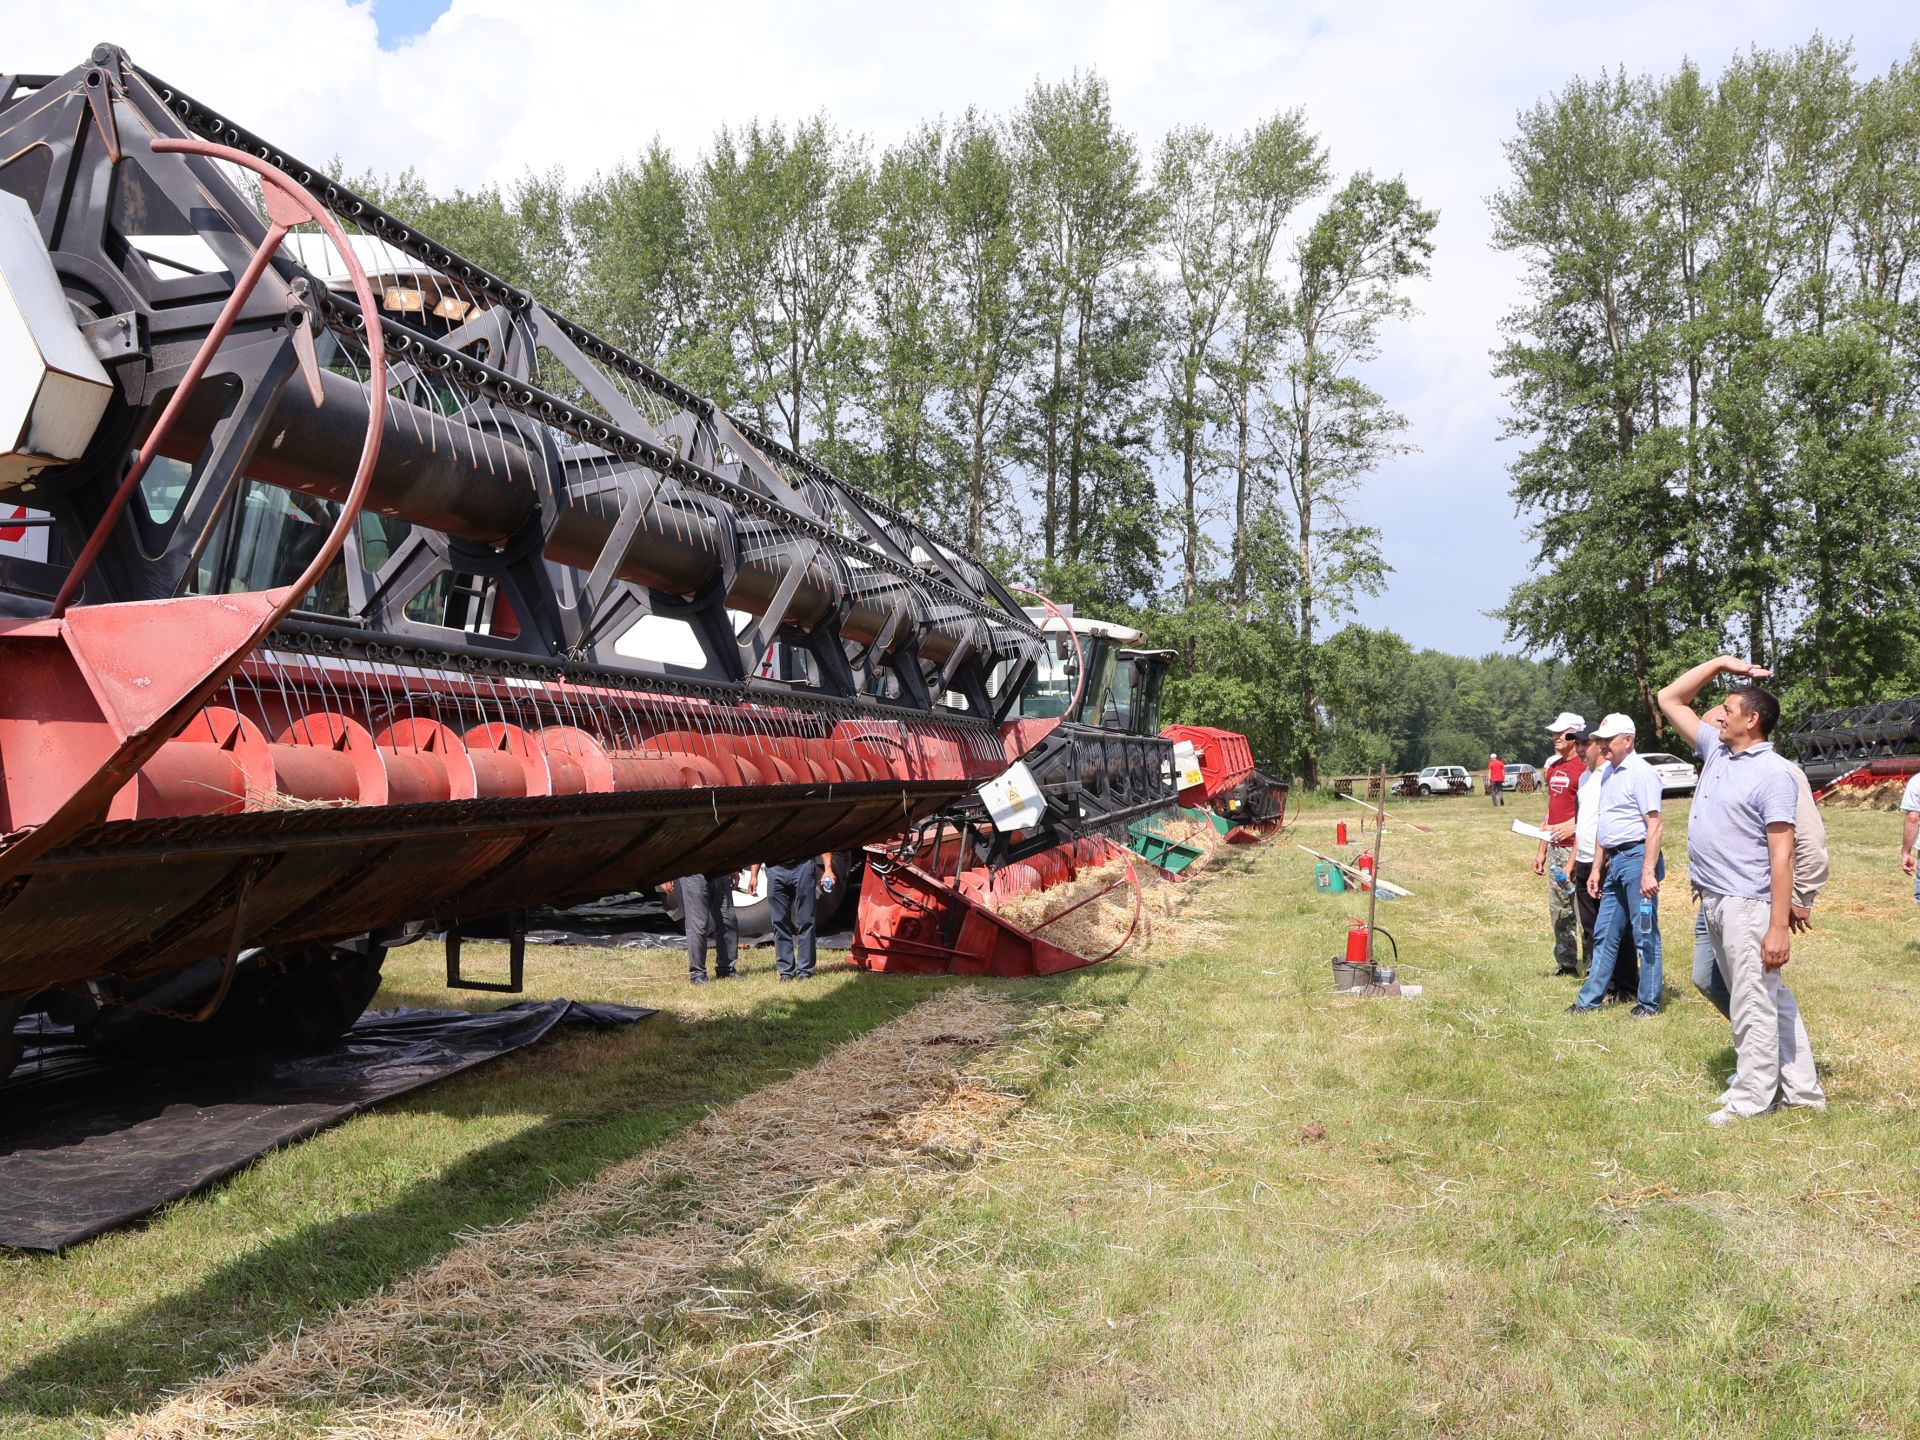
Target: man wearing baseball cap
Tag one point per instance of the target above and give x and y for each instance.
(1627, 869)
(1555, 856)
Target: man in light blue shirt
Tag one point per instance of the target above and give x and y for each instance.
(1740, 858)
(1627, 869)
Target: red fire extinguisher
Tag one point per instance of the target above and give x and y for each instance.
(1365, 864)
(1357, 943)
(1340, 832)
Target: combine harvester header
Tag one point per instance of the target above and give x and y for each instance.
(355, 589)
(1101, 790)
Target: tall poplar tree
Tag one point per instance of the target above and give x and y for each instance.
(1092, 217)
(1326, 428)
(906, 282)
(987, 327)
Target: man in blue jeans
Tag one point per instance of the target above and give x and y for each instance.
(791, 893)
(1627, 868)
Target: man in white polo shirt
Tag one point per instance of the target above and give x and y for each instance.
(1627, 869)
(1582, 830)
(1910, 829)
(1740, 859)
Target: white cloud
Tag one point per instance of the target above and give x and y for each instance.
(496, 86)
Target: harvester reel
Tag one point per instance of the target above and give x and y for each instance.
(540, 665)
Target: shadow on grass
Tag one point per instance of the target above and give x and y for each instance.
(657, 1078)
(1719, 1065)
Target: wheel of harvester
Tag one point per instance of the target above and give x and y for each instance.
(298, 998)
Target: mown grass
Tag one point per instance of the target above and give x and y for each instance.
(115, 1323)
(1230, 1202)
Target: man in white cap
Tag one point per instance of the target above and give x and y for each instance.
(1497, 778)
(1627, 869)
(1555, 856)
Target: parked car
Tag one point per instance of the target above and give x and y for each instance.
(1444, 780)
(1677, 777)
(1514, 772)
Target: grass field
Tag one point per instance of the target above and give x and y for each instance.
(1183, 1193)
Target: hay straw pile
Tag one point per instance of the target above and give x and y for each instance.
(1200, 834)
(1881, 795)
(1096, 928)
(568, 1304)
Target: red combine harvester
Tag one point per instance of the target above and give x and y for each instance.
(1248, 805)
(1093, 792)
(358, 591)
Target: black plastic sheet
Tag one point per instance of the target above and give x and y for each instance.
(90, 1142)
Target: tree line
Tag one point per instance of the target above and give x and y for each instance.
(1714, 368)
(1135, 378)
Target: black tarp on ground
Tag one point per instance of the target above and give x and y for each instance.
(632, 922)
(90, 1142)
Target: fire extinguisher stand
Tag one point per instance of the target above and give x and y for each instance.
(1373, 888)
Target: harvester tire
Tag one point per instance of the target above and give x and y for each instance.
(299, 999)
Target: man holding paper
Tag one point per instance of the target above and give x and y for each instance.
(1555, 856)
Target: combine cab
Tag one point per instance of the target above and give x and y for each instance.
(354, 591)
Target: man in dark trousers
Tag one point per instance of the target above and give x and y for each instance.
(1497, 779)
(1555, 856)
(706, 904)
(792, 891)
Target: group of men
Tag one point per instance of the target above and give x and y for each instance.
(1756, 860)
(793, 890)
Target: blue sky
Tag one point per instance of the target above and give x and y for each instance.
(397, 21)
(469, 91)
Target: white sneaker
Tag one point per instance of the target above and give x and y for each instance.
(1726, 1114)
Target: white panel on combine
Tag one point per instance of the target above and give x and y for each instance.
(1013, 799)
(1186, 761)
(53, 389)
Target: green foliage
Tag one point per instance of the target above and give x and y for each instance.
(1017, 329)
(1326, 429)
(1091, 217)
(1714, 371)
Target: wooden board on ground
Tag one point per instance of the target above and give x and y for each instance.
(1387, 887)
(1382, 810)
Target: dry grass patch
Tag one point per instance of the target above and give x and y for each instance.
(555, 1313)
(1171, 922)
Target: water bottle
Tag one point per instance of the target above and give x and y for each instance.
(1643, 921)
(1560, 880)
